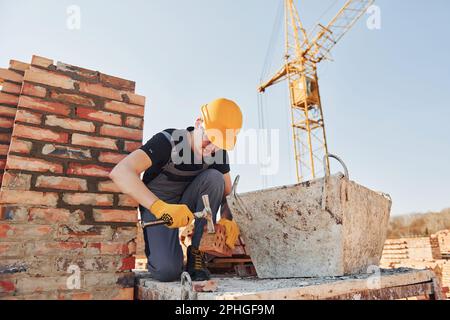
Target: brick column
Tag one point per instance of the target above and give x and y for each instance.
(61, 216)
(11, 82)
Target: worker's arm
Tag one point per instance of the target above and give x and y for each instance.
(126, 175)
(224, 209)
(226, 218)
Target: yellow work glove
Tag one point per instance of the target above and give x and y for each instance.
(178, 215)
(231, 230)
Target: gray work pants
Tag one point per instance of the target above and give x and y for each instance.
(162, 245)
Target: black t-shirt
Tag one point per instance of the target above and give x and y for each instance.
(159, 150)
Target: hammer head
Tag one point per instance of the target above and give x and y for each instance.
(210, 222)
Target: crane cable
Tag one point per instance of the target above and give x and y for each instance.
(262, 99)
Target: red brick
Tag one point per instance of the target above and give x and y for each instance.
(9, 87)
(136, 99)
(18, 65)
(21, 231)
(124, 294)
(88, 170)
(49, 215)
(125, 234)
(69, 124)
(98, 263)
(26, 116)
(102, 215)
(2, 163)
(127, 201)
(10, 99)
(28, 198)
(97, 115)
(131, 146)
(83, 72)
(66, 152)
(125, 108)
(16, 181)
(72, 99)
(32, 90)
(61, 183)
(24, 131)
(5, 137)
(42, 105)
(96, 142)
(117, 83)
(53, 248)
(87, 233)
(132, 246)
(41, 284)
(111, 157)
(121, 132)
(32, 164)
(83, 296)
(7, 286)
(4, 149)
(41, 61)
(20, 146)
(128, 263)
(114, 248)
(49, 78)
(6, 122)
(108, 186)
(134, 122)
(215, 243)
(97, 89)
(6, 74)
(14, 213)
(93, 199)
(11, 249)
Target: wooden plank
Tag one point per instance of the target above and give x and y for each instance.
(232, 260)
(336, 288)
(438, 292)
(394, 293)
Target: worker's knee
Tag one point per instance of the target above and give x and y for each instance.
(213, 178)
(167, 272)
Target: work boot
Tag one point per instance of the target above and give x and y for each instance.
(196, 266)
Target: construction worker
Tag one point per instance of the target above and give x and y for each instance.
(180, 166)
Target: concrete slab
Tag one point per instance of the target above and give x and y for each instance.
(351, 287)
(326, 227)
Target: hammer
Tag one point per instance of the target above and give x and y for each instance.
(206, 213)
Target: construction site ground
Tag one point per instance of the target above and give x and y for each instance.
(382, 285)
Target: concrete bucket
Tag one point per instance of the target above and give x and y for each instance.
(326, 227)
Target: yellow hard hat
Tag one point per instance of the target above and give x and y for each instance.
(223, 121)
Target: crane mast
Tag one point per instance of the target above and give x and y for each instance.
(300, 72)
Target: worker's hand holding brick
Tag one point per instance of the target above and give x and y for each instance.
(232, 231)
(177, 215)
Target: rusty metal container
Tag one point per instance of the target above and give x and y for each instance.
(326, 227)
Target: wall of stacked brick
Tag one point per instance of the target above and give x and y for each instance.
(421, 253)
(66, 232)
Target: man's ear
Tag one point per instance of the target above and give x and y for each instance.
(198, 122)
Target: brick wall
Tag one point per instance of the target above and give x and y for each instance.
(60, 215)
(417, 249)
(419, 253)
(11, 81)
(444, 241)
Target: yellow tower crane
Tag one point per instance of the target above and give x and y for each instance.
(300, 71)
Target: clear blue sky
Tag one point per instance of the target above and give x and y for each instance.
(386, 96)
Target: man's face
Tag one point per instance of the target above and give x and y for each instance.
(202, 147)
